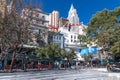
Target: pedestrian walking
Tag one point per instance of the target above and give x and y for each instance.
(0, 65)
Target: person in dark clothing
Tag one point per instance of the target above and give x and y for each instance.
(0, 65)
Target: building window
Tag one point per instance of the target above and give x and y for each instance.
(71, 40)
(74, 37)
(43, 17)
(42, 22)
(37, 15)
(59, 38)
(53, 37)
(71, 36)
(74, 40)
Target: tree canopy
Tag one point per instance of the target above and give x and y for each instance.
(104, 27)
(53, 52)
(13, 28)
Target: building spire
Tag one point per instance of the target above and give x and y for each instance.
(72, 7)
(73, 16)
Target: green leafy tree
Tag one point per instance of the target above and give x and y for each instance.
(102, 28)
(70, 55)
(49, 51)
(83, 40)
(53, 52)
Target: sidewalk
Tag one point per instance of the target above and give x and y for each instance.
(100, 69)
(114, 75)
(110, 74)
(20, 70)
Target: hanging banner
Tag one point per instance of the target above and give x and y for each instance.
(92, 50)
(84, 52)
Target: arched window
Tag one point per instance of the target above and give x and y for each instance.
(43, 17)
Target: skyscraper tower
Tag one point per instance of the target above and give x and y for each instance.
(73, 16)
(53, 21)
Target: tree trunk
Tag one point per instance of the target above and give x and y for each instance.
(107, 64)
(91, 65)
(108, 67)
(13, 58)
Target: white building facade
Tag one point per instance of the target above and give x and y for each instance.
(39, 22)
(71, 36)
(72, 29)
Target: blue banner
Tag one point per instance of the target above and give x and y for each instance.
(92, 50)
(84, 52)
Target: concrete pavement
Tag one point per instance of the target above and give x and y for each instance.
(68, 74)
(111, 74)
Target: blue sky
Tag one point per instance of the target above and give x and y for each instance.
(85, 8)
